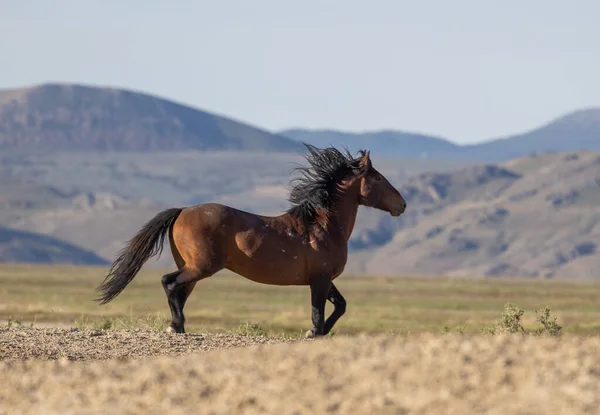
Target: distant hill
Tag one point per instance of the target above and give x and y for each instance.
(579, 130)
(576, 131)
(75, 117)
(385, 143)
(20, 246)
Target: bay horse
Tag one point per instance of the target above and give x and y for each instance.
(307, 245)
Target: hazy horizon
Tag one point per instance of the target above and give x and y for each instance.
(467, 72)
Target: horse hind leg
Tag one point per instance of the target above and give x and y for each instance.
(194, 264)
(175, 252)
(178, 286)
(176, 295)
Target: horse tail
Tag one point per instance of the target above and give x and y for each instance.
(145, 244)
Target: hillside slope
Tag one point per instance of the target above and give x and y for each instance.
(537, 216)
(20, 246)
(579, 130)
(75, 117)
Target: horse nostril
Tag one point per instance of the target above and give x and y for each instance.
(404, 206)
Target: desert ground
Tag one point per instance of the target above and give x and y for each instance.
(405, 346)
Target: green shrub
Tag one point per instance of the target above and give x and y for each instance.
(510, 322)
(550, 326)
(250, 329)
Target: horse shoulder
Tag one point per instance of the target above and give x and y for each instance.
(328, 254)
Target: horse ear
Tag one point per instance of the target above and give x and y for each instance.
(365, 162)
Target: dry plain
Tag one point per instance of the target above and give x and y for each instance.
(406, 345)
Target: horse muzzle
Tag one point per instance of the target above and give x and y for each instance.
(398, 210)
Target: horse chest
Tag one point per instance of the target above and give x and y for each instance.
(327, 257)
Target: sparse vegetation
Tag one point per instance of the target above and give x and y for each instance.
(458, 329)
(550, 325)
(491, 330)
(10, 322)
(105, 324)
(250, 329)
(153, 321)
(510, 322)
(82, 323)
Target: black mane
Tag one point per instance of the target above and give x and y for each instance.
(316, 187)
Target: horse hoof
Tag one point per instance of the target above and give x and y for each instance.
(310, 334)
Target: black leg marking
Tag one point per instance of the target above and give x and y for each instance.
(339, 304)
(177, 294)
(319, 288)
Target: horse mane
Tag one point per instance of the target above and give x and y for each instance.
(316, 188)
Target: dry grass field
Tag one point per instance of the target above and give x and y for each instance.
(62, 296)
(405, 346)
(380, 374)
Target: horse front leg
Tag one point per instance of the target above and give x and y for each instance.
(319, 290)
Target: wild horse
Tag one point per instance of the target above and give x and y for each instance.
(308, 245)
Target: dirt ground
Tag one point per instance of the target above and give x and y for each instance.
(74, 344)
(55, 371)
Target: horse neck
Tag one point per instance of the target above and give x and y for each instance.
(346, 209)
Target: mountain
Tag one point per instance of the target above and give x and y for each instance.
(20, 246)
(579, 130)
(75, 117)
(537, 216)
(54, 117)
(385, 143)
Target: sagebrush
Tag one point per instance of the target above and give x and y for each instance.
(510, 322)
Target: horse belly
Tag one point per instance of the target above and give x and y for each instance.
(274, 264)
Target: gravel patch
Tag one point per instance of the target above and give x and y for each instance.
(74, 344)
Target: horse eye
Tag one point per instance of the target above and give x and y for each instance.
(378, 178)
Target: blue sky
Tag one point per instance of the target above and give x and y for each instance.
(464, 70)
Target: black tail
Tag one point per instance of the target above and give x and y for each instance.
(147, 243)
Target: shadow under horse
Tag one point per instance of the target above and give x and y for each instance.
(307, 245)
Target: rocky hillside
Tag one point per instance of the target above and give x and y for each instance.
(73, 117)
(537, 216)
(20, 246)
